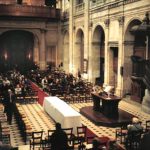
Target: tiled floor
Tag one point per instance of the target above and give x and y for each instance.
(39, 120)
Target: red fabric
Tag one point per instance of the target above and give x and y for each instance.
(41, 93)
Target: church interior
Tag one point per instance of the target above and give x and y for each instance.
(82, 63)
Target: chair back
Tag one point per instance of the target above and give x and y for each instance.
(50, 133)
(36, 139)
(69, 132)
(37, 135)
(81, 132)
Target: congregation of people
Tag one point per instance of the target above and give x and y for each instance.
(58, 83)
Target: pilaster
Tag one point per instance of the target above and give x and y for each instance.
(119, 89)
(71, 37)
(106, 69)
(86, 33)
(42, 50)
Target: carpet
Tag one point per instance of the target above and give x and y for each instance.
(41, 93)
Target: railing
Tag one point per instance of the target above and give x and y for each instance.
(29, 11)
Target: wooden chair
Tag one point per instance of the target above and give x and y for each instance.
(71, 145)
(36, 139)
(121, 133)
(80, 138)
(89, 142)
(81, 132)
(5, 133)
(69, 132)
(47, 143)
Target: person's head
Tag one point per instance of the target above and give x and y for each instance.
(58, 126)
(9, 91)
(135, 120)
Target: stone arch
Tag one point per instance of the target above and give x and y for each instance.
(130, 24)
(30, 51)
(78, 54)
(98, 56)
(134, 44)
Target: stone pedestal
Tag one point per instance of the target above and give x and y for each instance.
(146, 102)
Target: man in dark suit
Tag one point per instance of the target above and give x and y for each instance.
(9, 100)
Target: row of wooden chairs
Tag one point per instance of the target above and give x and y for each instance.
(74, 98)
(78, 139)
(23, 122)
(31, 97)
(4, 127)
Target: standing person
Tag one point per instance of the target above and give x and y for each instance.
(58, 139)
(9, 100)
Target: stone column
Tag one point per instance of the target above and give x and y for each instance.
(119, 89)
(42, 51)
(86, 35)
(71, 44)
(36, 51)
(90, 59)
(106, 68)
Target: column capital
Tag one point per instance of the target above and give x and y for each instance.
(121, 20)
(107, 22)
(43, 30)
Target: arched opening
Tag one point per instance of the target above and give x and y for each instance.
(16, 50)
(135, 50)
(66, 52)
(79, 52)
(98, 46)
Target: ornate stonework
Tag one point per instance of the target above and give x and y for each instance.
(121, 20)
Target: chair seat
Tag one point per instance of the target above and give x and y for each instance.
(35, 141)
(89, 146)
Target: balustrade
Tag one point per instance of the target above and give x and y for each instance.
(29, 11)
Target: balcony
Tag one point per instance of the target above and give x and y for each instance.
(27, 11)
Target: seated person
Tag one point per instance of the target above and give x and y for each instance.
(135, 126)
(134, 131)
(58, 139)
(18, 90)
(145, 142)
